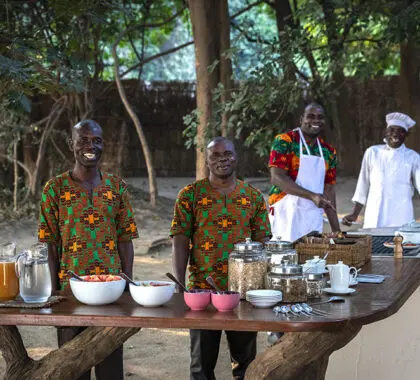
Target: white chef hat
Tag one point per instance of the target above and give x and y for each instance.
(399, 119)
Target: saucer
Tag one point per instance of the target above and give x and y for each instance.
(347, 291)
(353, 283)
(390, 244)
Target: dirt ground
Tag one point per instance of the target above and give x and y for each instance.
(152, 354)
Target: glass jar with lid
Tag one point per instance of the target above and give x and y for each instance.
(278, 251)
(315, 282)
(247, 267)
(289, 279)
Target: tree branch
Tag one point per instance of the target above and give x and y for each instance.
(248, 37)
(153, 57)
(13, 350)
(250, 6)
(155, 25)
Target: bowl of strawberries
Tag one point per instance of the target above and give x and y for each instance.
(97, 289)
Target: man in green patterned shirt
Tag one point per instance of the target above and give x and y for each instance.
(87, 220)
(212, 215)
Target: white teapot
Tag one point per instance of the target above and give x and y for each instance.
(341, 276)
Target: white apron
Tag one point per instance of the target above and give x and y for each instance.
(293, 217)
(389, 202)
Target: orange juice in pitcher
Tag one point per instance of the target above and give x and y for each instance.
(9, 283)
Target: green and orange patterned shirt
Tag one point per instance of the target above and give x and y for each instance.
(215, 222)
(285, 155)
(86, 231)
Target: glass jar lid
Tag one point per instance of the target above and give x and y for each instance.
(278, 245)
(248, 246)
(287, 269)
(314, 276)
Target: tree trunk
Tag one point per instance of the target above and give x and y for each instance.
(153, 190)
(16, 175)
(121, 147)
(210, 24)
(66, 363)
(300, 356)
(54, 117)
(338, 112)
(410, 86)
(284, 19)
(225, 68)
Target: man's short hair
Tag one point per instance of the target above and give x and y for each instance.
(92, 124)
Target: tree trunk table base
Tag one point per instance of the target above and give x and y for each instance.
(66, 363)
(300, 356)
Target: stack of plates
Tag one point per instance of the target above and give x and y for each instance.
(264, 297)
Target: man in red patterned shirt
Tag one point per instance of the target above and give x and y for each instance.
(303, 174)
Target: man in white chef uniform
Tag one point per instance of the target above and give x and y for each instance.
(387, 178)
(303, 174)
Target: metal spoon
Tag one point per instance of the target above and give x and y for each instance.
(331, 299)
(298, 310)
(311, 310)
(302, 310)
(71, 273)
(174, 279)
(125, 277)
(211, 282)
(285, 310)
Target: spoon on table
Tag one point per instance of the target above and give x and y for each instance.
(71, 273)
(125, 277)
(211, 282)
(329, 300)
(173, 278)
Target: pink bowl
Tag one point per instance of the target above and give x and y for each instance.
(197, 300)
(225, 301)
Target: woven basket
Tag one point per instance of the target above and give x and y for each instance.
(355, 255)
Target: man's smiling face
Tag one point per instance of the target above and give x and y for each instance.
(313, 121)
(87, 144)
(395, 136)
(221, 159)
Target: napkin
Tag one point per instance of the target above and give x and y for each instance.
(371, 279)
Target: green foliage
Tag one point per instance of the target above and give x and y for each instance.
(325, 41)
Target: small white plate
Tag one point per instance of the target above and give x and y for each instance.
(263, 299)
(389, 244)
(353, 283)
(262, 305)
(347, 291)
(264, 293)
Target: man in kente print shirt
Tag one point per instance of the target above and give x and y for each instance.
(212, 215)
(87, 220)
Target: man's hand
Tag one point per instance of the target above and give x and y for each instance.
(349, 219)
(321, 201)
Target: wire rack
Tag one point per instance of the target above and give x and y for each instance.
(378, 248)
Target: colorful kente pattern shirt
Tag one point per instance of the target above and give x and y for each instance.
(285, 155)
(86, 230)
(215, 222)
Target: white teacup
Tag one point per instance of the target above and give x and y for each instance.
(341, 276)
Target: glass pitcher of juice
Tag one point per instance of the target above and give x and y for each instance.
(9, 283)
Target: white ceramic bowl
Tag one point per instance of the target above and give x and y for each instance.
(97, 293)
(152, 296)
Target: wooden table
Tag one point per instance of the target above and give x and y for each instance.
(289, 359)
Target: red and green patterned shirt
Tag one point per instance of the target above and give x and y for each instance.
(215, 222)
(285, 155)
(86, 231)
